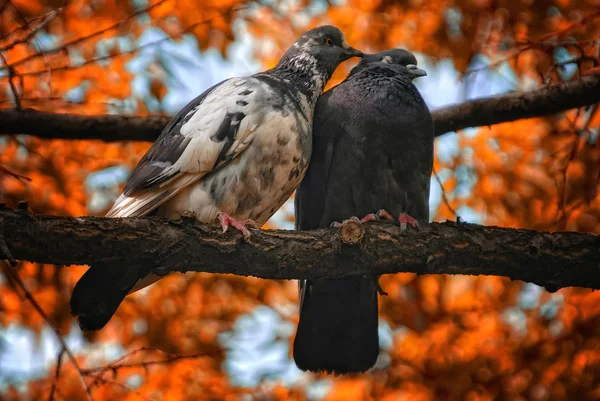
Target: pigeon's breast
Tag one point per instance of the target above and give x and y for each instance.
(255, 184)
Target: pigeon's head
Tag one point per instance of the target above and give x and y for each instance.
(327, 44)
(316, 54)
(403, 62)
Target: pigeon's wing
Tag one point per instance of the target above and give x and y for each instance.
(208, 133)
(327, 128)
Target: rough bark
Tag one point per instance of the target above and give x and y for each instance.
(514, 106)
(481, 112)
(552, 260)
(110, 128)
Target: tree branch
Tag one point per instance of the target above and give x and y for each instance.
(487, 111)
(551, 260)
(514, 106)
(109, 128)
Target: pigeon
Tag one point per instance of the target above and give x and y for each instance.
(372, 150)
(233, 154)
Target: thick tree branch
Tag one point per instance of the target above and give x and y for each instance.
(552, 260)
(109, 128)
(514, 106)
(487, 111)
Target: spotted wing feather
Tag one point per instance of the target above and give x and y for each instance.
(209, 132)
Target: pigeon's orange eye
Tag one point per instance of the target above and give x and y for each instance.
(329, 42)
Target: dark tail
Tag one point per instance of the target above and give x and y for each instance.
(337, 332)
(100, 291)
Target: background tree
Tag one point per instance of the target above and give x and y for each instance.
(207, 336)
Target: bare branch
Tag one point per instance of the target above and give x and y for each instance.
(67, 67)
(109, 128)
(518, 105)
(125, 387)
(32, 32)
(17, 280)
(444, 196)
(169, 358)
(13, 87)
(49, 18)
(481, 112)
(82, 39)
(59, 359)
(8, 171)
(551, 260)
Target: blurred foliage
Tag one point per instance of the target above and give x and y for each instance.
(453, 338)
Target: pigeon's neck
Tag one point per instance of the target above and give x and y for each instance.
(304, 71)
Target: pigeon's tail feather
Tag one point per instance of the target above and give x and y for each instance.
(337, 332)
(100, 291)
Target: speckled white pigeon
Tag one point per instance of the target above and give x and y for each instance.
(235, 153)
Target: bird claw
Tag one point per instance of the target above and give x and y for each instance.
(405, 219)
(370, 217)
(227, 221)
(367, 218)
(382, 213)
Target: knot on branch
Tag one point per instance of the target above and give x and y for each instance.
(351, 232)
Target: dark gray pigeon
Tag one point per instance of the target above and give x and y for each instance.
(372, 150)
(235, 153)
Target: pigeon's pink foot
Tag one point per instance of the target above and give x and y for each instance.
(228, 221)
(383, 214)
(406, 219)
(367, 218)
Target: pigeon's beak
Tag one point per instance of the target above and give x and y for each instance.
(416, 72)
(351, 51)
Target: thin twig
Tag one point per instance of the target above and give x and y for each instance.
(563, 190)
(129, 354)
(6, 170)
(15, 277)
(125, 387)
(583, 132)
(28, 148)
(444, 197)
(98, 373)
(11, 76)
(538, 46)
(56, 374)
(90, 36)
(113, 365)
(20, 27)
(137, 49)
(143, 364)
(32, 31)
(40, 51)
(572, 25)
